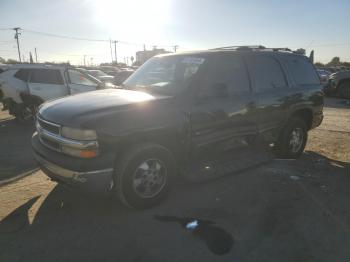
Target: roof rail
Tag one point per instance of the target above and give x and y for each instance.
(253, 48)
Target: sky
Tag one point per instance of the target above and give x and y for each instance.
(319, 25)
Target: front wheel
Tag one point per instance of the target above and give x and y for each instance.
(143, 175)
(292, 139)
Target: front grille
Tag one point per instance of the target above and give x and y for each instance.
(50, 144)
(47, 127)
(51, 127)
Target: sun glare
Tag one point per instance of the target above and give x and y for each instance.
(132, 20)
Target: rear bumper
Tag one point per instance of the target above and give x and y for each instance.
(92, 175)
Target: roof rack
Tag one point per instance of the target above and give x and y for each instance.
(253, 48)
(240, 47)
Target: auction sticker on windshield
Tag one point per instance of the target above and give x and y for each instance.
(193, 60)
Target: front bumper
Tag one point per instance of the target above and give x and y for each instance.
(317, 119)
(93, 175)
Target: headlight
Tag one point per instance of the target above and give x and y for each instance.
(78, 134)
(83, 153)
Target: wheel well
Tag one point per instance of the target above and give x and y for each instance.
(306, 115)
(31, 99)
(168, 141)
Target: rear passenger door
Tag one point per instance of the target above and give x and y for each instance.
(271, 88)
(46, 84)
(224, 115)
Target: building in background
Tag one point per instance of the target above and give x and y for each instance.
(143, 56)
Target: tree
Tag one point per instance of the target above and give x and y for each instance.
(319, 64)
(2, 60)
(334, 62)
(11, 61)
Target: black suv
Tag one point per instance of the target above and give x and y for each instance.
(175, 112)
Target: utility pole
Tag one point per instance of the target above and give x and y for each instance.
(110, 45)
(84, 60)
(16, 37)
(36, 56)
(115, 51)
(175, 48)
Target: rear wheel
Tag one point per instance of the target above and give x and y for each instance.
(143, 175)
(26, 113)
(292, 139)
(343, 90)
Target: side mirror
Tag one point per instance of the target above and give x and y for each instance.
(219, 90)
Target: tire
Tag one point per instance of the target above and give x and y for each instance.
(26, 114)
(292, 139)
(135, 172)
(343, 90)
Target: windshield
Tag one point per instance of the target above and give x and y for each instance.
(167, 75)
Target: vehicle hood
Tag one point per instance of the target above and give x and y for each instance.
(93, 109)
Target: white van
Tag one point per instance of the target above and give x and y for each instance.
(24, 87)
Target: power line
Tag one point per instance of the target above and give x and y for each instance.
(86, 39)
(65, 37)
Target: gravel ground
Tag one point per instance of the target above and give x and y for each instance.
(295, 210)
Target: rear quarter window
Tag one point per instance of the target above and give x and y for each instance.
(22, 74)
(302, 70)
(268, 73)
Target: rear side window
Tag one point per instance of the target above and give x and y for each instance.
(267, 72)
(302, 70)
(22, 74)
(230, 71)
(46, 76)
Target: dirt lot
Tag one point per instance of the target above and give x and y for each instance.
(296, 210)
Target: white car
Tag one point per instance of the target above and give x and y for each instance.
(100, 75)
(24, 87)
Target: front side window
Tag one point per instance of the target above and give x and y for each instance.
(78, 78)
(169, 74)
(267, 72)
(46, 76)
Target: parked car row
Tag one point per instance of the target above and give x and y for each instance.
(336, 81)
(110, 74)
(338, 85)
(24, 87)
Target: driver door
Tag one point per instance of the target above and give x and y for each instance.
(79, 83)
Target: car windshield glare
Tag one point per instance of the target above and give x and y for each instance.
(166, 74)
